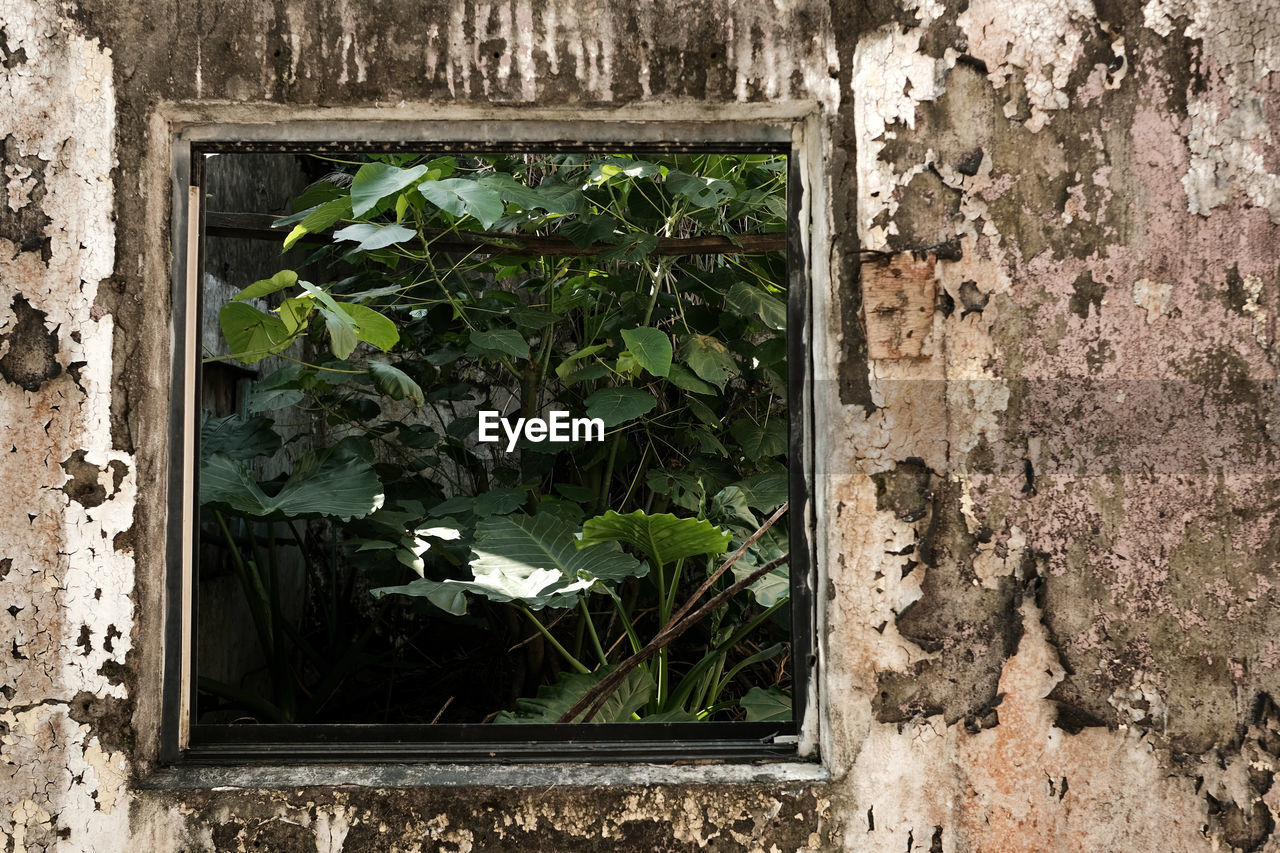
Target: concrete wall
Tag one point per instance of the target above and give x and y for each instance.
(1045, 492)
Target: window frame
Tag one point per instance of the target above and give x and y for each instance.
(185, 742)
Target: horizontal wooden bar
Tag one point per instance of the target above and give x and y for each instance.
(259, 226)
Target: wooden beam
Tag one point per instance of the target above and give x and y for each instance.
(258, 226)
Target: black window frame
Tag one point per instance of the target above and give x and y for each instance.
(185, 742)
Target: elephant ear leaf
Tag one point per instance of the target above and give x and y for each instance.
(443, 594)
(237, 437)
(536, 560)
(554, 700)
(710, 359)
(651, 348)
(663, 537)
(252, 335)
(766, 705)
(335, 485)
(531, 559)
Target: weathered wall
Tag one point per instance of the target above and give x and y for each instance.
(1045, 500)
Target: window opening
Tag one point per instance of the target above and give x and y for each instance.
(494, 443)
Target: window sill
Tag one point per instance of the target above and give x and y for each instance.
(406, 775)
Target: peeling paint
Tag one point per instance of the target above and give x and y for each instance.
(1046, 531)
(65, 577)
(1041, 39)
(1230, 131)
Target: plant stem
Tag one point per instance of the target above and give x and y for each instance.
(570, 659)
(591, 630)
(603, 493)
(630, 630)
(661, 678)
(670, 601)
(254, 594)
(764, 655)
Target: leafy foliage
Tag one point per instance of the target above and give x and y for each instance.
(554, 700)
(662, 538)
(523, 284)
(333, 486)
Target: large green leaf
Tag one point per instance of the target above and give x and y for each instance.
(663, 537)
(567, 367)
(729, 507)
(342, 332)
(683, 378)
(585, 231)
(270, 399)
(279, 281)
(370, 236)
(376, 181)
(507, 341)
(318, 219)
(370, 326)
(537, 560)
(462, 197)
(334, 486)
(710, 359)
(766, 706)
(776, 585)
(237, 437)
(651, 348)
(554, 700)
(408, 542)
(251, 334)
(703, 412)
(765, 492)
(744, 300)
(768, 590)
(619, 405)
(630, 247)
(549, 196)
(337, 322)
(295, 312)
(610, 167)
(701, 190)
(499, 501)
(760, 441)
(531, 559)
(448, 596)
(395, 383)
(279, 389)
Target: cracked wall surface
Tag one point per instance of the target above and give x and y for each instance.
(1047, 474)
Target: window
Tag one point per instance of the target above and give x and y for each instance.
(481, 441)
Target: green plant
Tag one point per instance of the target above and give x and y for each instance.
(644, 292)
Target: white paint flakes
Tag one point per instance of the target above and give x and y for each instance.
(19, 186)
(890, 77)
(1230, 139)
(1141, 702)
(1042, 38)
(69, 585)
(1253, 288)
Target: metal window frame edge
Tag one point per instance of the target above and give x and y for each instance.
(802, 133)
